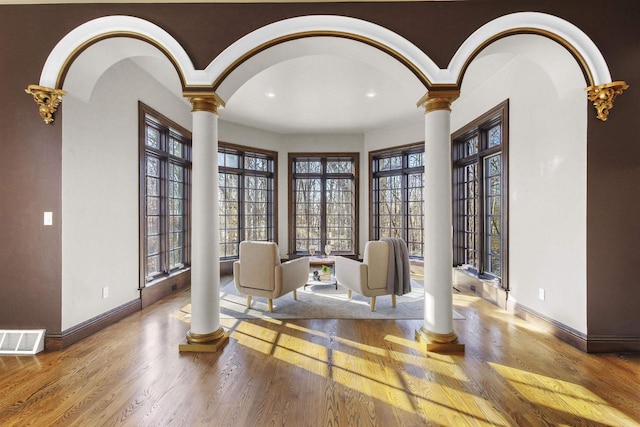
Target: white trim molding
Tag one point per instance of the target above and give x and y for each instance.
(327, 25)
(97, 29)
(565, 33)
(562, 31)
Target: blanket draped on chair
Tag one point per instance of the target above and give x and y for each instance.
(399, 272)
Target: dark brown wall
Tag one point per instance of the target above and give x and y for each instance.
(30, 276)
(30, 184)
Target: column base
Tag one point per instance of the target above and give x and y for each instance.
(205, 343)
(439, 343)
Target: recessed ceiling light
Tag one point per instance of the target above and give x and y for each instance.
(371, 94)
(270, 94)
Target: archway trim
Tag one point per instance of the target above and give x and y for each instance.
(571, 37)
(83, 36)
(324, 25)
(563, 32)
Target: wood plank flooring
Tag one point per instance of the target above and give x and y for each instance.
(320, 373)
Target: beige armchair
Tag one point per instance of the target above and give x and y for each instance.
(259, 272)
(368, 277)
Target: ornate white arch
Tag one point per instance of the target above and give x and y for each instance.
(533, 22)
(602, 90)
(323, 25)
(111, 26)
(565, 33)
(523, 22)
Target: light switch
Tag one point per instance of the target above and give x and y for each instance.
(48, 218)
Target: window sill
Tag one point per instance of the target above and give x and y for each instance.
(161, 278)
(465, 280)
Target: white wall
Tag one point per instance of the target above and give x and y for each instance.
(291, 143)
(547, 168)
(100, 188)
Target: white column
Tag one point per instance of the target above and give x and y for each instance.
(437, 329)
(206, 334)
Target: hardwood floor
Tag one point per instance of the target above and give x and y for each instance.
(320, 373)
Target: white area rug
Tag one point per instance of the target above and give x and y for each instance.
(322, 302)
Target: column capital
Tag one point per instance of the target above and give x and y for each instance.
(438, 100)
(603, 95)
(204, 101)
(47, 99)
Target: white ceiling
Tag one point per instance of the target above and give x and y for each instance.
(323, 85)
(315, 85)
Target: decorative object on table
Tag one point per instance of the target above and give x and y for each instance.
(326, 272)
(322, 271)
(312, 250)
(259, 272)
(327, 249)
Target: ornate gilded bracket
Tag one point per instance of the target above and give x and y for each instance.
(603, 95)
(47, 99)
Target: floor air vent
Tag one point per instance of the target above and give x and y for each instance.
(21, 342)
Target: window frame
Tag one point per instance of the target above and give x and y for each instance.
(272, 205)
(498, 115)
(404, 151)
(168, 129)
(354, 157)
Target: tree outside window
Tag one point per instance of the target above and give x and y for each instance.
(165, 189)
(246, 194)
(480, 195)
(396, 202)
(323, 202)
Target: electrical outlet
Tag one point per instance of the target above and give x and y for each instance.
(105, 292)
(48, 218)
(541, 294)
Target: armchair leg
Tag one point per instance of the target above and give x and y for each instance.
(270, 305)
(373, 303)
(248, 301)
(295, 294)
(349, 294)
(393, 300)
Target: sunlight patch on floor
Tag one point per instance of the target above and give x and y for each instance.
(412, 344)
(363, 347)
(427, 387)
(315, 363)
(307, 330)
(562, 396)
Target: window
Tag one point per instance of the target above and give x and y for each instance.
(480, 194)
(247, 195)
(323, 202)
(396, 202)
(165, 178)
